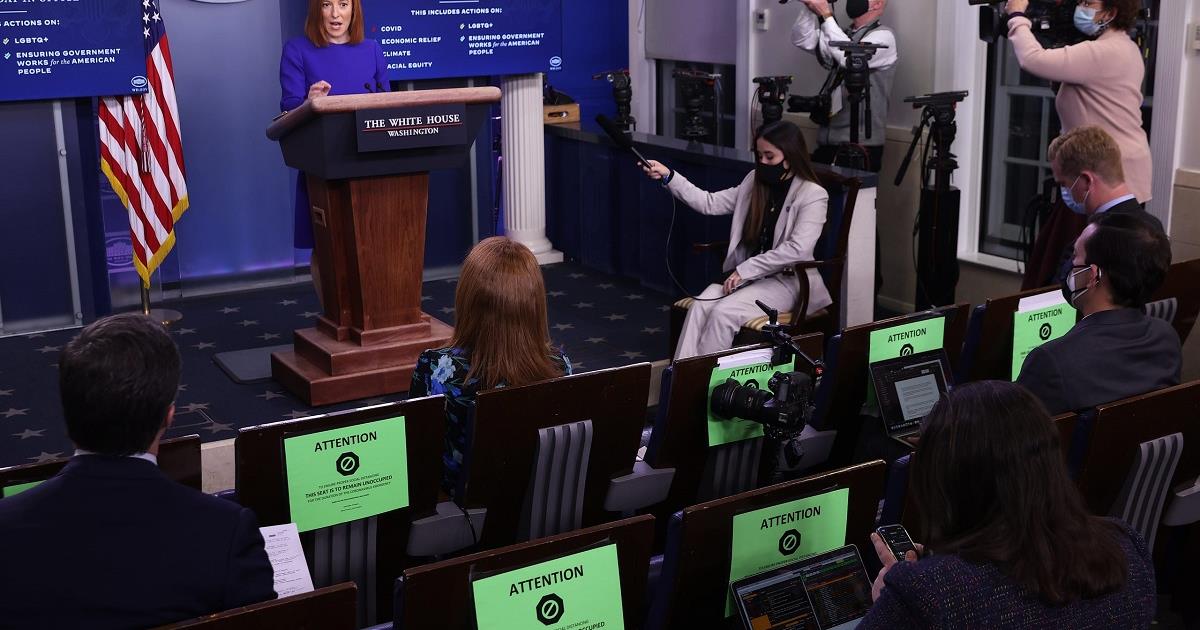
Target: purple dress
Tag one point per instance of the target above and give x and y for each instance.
(349, 69)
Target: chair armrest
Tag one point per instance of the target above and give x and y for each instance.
(644, 487)
(700, 248)
(1184, 506)
(815, 264)
(446, 531)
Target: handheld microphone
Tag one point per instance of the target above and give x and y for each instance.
(619, 138)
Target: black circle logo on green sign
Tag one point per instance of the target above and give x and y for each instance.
(906, 350)
(1044, 332)
(347, 463)
(550, 609)
(789, 542)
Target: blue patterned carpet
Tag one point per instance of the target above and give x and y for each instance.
(601, 321)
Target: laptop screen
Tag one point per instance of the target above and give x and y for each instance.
(908, 387)
(826, 591)
(838, 588)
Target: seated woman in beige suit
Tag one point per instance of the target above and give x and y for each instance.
(778, 212)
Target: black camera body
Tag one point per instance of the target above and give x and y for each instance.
(783, 407)
(817, 107)
(1053, 22)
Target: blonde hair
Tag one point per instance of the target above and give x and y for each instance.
(500, 315)
(1088, 148)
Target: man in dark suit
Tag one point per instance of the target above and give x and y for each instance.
(111, 542)
(1116, 350)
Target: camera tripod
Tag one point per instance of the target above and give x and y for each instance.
(622, 88)
(856, 77)
(695, 85)
(937, 216)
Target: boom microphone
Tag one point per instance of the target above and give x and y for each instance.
(619, 138)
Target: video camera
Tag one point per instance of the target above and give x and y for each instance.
(622, 89)
(855, 75)
(772, 92)
(695, 85)
(1053, 22)
(785, 407)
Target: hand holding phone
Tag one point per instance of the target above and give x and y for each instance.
(897, 540)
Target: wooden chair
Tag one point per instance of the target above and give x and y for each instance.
(1118, 429)
(832, 247)
(439, 595)
(679, 438)
(843, 388)
(993, 322)
(329, 608)
(372, 551)
(694, 584)
(1178, 300)
(178, 458)
(505, 440)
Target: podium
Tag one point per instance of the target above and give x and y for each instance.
(367, 159)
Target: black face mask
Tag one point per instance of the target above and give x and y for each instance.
(857, 8)
(769, 174)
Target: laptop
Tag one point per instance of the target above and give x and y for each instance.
(825, 591)
(907, 388)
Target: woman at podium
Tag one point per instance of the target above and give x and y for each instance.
(501, 338)
(332, 58)
(778, 212)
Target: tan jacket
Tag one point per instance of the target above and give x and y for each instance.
(796, 232)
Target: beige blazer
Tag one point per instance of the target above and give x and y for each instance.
(796, 232)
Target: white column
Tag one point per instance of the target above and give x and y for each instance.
(524, 166)
(858, 286)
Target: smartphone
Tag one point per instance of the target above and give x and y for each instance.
(897, 540)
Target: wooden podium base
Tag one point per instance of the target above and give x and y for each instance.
(323, 370)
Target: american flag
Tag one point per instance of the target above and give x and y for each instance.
(140, 151)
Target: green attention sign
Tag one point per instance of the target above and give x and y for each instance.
(773, 536)
(17, 488)
(582, 590)
(906, 339)
(345, 474)
(1034, 328)
(721, 431)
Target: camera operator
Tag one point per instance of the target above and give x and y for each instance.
(1101, 84)
(1101, 78)
(813, 31)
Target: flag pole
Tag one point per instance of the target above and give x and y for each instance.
(164, 316)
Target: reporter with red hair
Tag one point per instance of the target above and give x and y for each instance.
(501, 338)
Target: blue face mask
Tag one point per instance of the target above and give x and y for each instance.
(1069, 200)
(1085, 21)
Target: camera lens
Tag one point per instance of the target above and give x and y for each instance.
(730, 400)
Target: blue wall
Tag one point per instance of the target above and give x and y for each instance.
(226, 60)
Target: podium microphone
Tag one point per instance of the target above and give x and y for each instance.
(619, 138)
(379, 87)
(367, 87)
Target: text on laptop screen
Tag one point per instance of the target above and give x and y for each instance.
(777, 602)
(838, 587)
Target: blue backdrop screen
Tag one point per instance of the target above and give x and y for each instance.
(71, 48)
(436, 39)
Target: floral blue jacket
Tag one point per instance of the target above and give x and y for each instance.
(444, 371)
